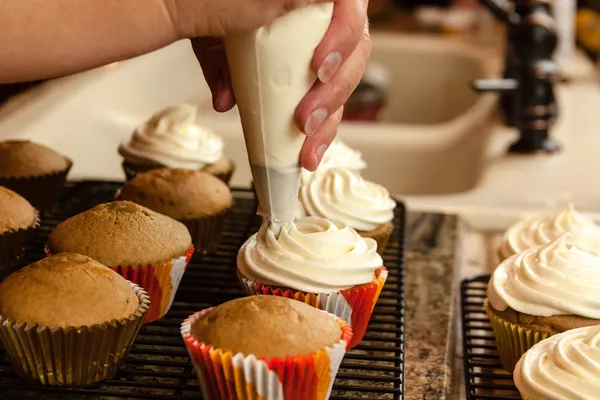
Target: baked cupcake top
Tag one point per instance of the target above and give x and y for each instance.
(564, 366)
(23, 158)
(341, 195)
(66, 290)
(267, 326)
(171, 138)
(121, 233)
(312, 255)
(15, 212)
(339, 155)
(178, 193)
(552, 279)
(545, 227)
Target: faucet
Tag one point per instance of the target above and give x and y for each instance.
(526, 90)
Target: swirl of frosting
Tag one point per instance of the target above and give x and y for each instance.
(343, 196)
(552, 279)
(563, 367)
(312, 255)
(543, 228)
(171, 138)
(339, 155)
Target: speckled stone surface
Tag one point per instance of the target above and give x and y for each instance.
(431, 307)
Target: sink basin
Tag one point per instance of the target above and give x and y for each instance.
(431, 140)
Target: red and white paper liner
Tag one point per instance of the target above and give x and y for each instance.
(41, 191)
(159, 280)
(74, 356)
(226, 376)
(207, 232)
(354, 305)
(11, 247)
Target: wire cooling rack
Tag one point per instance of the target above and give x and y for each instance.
(158, 366)
(485, 379)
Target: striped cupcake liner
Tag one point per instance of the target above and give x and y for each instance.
(226, 376)
(74, 356)
(354, 306)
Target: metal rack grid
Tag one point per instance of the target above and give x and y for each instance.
(158, 366)
(485, 379)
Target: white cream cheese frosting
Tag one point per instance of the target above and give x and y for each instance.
(552, 279)
(312, 255)
(342, 195)
(172, 138)
(545, 227)
(563, 367)
(339, 155)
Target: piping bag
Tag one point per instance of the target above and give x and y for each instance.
(270, 73)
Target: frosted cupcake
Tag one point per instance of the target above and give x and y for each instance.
(545, 227)
(325, 264)
(341, 195)
(339, 155)
(541, 292)
(171, 138)
(565, 366)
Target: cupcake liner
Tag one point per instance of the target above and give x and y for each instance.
(11, 247)
(382, 238)
(41, 191)
(354, 305)
(226, 376)
(74, 356)
(207, 231)
(512, 340)
(159, 280)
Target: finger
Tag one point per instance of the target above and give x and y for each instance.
(323, 99)
(210, 52)
(315, 146)
(342, 37)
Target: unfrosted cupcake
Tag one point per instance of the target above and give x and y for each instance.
(265, 347)
(68, 320)
(36, 172)
(339, 155)
(547, 226)
(147, 248)
(343, 196)
(563, 367)
(540, 292)
(197, 199)
(325, 264)
(18, 220)
(171, 138)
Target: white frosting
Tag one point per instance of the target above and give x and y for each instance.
(313, 255)
(343, 196)
(172, 138)
(543, 228)
(552, 279)
(338, 155)
(563, 367)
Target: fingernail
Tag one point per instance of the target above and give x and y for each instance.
(330, 65)
(314, 121)
(319, 153)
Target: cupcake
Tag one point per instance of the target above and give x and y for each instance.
(147, 248)
(68, 320)
(547, 226)
(197, 199)
(543, 291)
(171, 138)
(34, 171)
(339, 155)
(18, 219)
(343, 196)
(325, 264)
(265, 347)
(562, 367)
